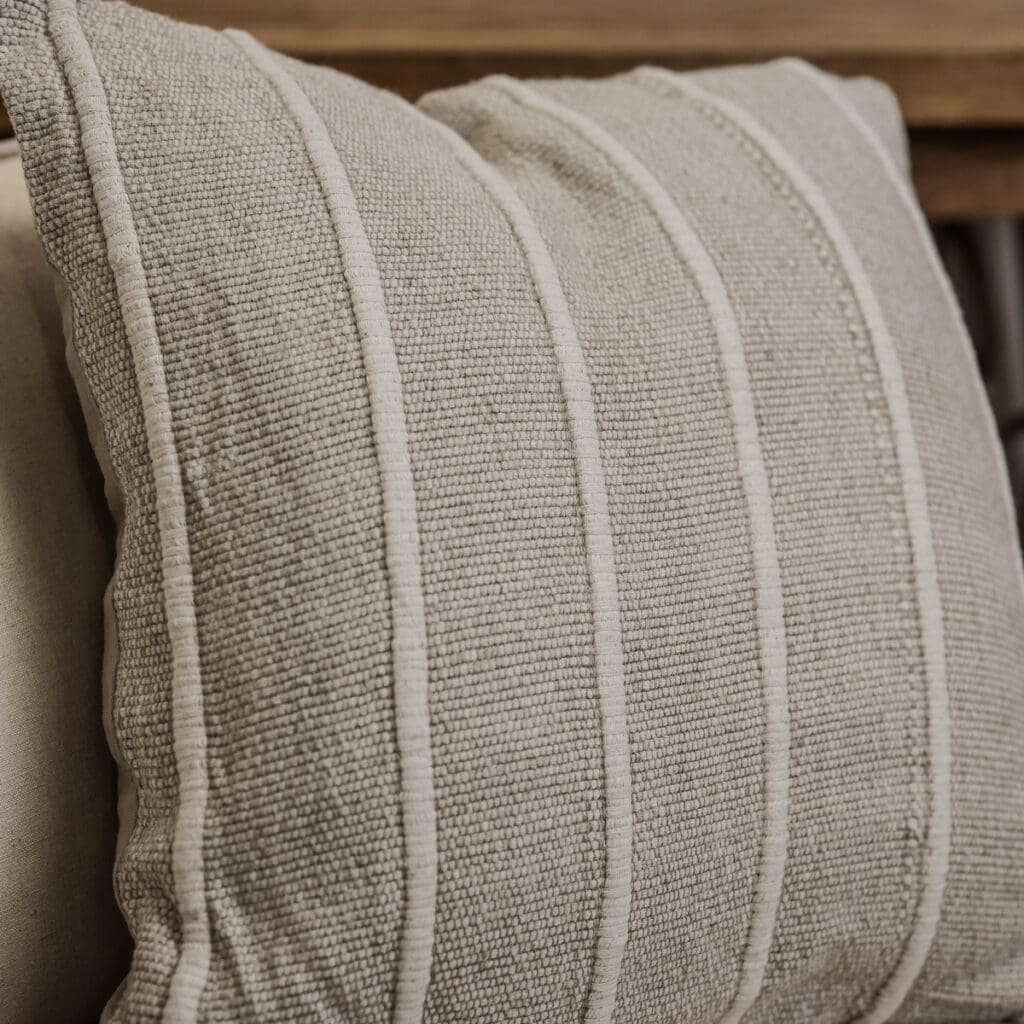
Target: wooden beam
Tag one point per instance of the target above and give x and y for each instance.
(628, 28)
(957, 69)
(951, 63)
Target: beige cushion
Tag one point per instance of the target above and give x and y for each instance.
(566, 563)
(62, 941)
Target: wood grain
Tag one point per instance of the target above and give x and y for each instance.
(319, 28)
(957, 67)
(951, 62)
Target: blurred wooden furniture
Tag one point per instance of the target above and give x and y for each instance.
(956, 65)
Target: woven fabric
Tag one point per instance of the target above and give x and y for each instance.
(566, 572)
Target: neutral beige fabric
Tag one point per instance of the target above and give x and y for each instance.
(63, 946)
(566, 566)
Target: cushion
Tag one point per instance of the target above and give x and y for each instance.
(566, 566)
(63, 945)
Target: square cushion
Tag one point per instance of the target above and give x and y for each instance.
(63, 944)
(566, 565)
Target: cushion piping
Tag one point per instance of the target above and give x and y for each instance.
(608, 654)
(936, 863)
(906, 199)
(754, 477)
(401, 532)
(99, 148)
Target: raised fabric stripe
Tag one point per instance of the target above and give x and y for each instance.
(401, 538)
(902, 187)
(915, 498)
(754, 477)
(614, 921)
(123, 251)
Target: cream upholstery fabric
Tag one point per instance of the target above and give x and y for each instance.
(62, 943)
(566, 563)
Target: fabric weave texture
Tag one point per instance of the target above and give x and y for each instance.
(566, 569)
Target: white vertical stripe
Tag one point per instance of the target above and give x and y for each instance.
(123, 252)
(771, 627)
(614, 922)
(401, 538)
(915, 498)
(903, 190)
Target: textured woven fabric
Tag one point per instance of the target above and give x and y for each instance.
(57, 795)
(566, 566)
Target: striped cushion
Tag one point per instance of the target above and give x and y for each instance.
(566, 570)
